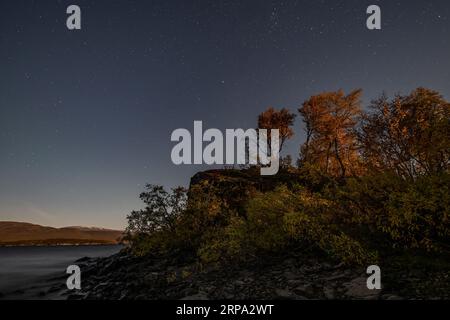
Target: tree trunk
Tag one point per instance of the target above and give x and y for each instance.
(338, 157)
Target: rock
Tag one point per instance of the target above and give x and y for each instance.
(336, 276)
(276, 272)
(54, 288)
(151, 277)
(84, 259)
(329, 293)
(249, 279)
(305, 289)
(76, 296)
(92, 296)
(326, 266)
(391, 297)
(123, 295)
(101, 285)
(198, 296)
(338, 266)
(187, 292)
(357, 289)
(285, 294)
(290, 275)
(289, 261)
(207, 289)
(228, 296)
(294, 283)
(245, 273)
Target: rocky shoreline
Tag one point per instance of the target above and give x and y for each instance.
(293, 277)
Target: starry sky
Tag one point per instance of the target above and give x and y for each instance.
(86, 115)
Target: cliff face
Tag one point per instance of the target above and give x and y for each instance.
(236, 187)
(233, 187)
(19, 233)
(247, 177)
(252, 178)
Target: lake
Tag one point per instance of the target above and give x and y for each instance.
(21, 267)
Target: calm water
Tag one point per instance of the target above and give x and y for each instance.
(23, 266)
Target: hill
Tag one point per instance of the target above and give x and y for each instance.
(21, 233)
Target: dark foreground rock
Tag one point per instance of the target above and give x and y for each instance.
(293, 277)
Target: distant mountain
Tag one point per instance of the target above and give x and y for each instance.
(21, 233)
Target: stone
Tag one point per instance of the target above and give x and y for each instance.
(391, 297)
(339, 265)
(328, 293)
(357, 289)
(228, 296)
(290, 275)
(326, 266)
(289, 261)
(295, 283)
(198, 296)
(53, 289)
(336, 276)
(76, 296)
(305, 289)
(84, 259)
(285, 294)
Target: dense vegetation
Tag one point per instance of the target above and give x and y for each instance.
(366, 185)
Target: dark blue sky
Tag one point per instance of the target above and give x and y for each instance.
(86, 116)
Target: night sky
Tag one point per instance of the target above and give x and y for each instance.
(86, 116)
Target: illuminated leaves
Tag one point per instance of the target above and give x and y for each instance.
(330, 119)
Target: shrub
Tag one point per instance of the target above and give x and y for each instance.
(411, 213)
(150, 229)
(351, 220)
(277, 219)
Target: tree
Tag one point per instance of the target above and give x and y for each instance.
(282, 120)
(408, 134)
(161, 211)
(330, 119)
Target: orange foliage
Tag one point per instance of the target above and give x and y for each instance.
(331, 143)
(281, 120)
(408, 135)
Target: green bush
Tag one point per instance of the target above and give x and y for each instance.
(277, 219)
(405, 213)
(151, 229)
(352, 220)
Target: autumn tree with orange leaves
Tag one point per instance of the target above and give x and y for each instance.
(408, 134)
(330, 120)
(277, 119)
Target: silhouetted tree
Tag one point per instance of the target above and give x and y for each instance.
(161, 211)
